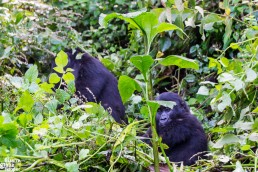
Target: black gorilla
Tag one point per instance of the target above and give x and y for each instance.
(94, 83)
(180, 130)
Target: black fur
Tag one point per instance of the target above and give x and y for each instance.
(180, 130)
(95, 83)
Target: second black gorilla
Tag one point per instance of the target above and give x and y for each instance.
(180, 130)
(94, 83)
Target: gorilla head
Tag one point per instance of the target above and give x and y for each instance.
(180, 130)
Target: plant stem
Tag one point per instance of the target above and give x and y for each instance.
(148, 89)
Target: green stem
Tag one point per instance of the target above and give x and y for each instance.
(148, 90)
(149, 96)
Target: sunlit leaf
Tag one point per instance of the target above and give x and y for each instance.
(226, 139)
(72, 166)
(179, 61)
(127, 86)
(143, 63)
(32, 73)
(146, 22)
(54, 78)
(83, 153)
(62, 95)
(61, 59)
(68, 77)
(203, 90)
(26, 102)
(251, 75)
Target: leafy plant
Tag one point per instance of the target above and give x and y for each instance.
(147, 23)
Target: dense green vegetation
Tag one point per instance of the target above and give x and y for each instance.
(207, 51)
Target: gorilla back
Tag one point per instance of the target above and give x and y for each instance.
(94, 83)
(180, 130)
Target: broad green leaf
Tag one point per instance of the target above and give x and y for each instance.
(17, 81)
(239, 167)
(146, 22)
(104, 19)
(71, 87)
(255, 110)
(33, 88)
(62, 95)
(226, 77)
(224, 61)
(32, 73)
(61, 59)
(200, 10)
(59, 69)
(38, 119)
(83, 153)
(108, 63)
(47, 87)
(214, 63)
(54, 78)
(243, 125)
(179, 5)
(190, 78)
(203, 90)
(8, 132)
(238, 84)
(234, 46)
(126, 87)
(24, 119)
(162, 27)
(253, 137)
(251, 75)
(143, 63)
(165, 43)
(245, 147)
(154, 106)
(68, 77)
(225, 102)
(52, 106)
(179, 61)
(72, 166)
(26, 102)
(150, 27)
(211, 18)
(169, 104)
(144, 112)
(227, 139)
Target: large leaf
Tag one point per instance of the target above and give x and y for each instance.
(72, 166)
(127, 86)
(32, 73)
(54, 78)
(143, 63)
(179, 61)
(227, 139)
(146, 22)
(209, 20)
(8, 132)
(26, 102)
(61, 59)
(52, 105)
(62, 95)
